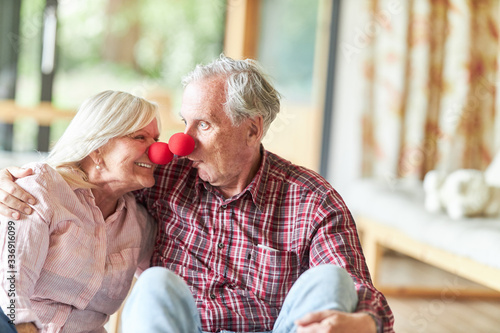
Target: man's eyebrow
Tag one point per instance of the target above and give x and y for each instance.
(195, 119)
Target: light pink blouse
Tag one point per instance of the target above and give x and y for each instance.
(64, 267)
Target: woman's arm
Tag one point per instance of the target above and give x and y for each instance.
(24, 246)
(147, 244)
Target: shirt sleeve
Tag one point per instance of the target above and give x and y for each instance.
(23, 249)
(335, 240)
(148, 240)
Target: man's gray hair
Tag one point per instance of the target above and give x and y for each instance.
(248, 90)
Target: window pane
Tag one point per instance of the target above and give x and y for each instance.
(286, 45)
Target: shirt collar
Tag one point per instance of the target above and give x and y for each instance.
(257, 188)
(120, 205)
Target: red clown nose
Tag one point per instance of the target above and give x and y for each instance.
(159, 153)
(181, 144)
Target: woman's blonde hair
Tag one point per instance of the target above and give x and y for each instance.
(107, 115)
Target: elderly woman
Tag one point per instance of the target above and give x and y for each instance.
(69, 266)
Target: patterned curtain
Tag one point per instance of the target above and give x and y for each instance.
(431, 71)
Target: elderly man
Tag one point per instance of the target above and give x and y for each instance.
(247, 241)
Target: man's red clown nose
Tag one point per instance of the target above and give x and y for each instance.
(180, 144)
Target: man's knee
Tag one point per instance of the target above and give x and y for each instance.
(323, 287)
(161, 302)
(332, 283)
(156, 275)
(329, 273)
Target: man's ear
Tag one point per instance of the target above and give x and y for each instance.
(255, 130)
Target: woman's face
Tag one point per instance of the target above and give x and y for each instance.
(125, 163)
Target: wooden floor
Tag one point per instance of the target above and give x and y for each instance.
(440, 315)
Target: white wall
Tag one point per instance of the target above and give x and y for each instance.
(344, 163)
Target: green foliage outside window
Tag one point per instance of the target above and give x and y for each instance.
(164, 38)
(131, 45)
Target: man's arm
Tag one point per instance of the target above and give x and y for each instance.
(336, 321)
(13, 199)
(336, 242)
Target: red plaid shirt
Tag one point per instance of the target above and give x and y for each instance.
(240, 256)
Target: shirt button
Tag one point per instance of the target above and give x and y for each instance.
(224, 206)
(212, 296)
(221, 245)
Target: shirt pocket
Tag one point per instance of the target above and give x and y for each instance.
(271, 274)
(70, 252)
(123, 265)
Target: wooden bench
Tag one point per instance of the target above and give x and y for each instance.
(392, 217)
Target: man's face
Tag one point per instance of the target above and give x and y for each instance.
(222, 154)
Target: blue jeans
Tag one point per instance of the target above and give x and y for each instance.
(5, 325)
(161, 301)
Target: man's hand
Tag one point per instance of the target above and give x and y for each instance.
(26, 328)
(330, 321)
(13, 198)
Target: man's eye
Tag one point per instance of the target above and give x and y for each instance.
(203, 125)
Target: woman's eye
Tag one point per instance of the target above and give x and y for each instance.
(203, 125)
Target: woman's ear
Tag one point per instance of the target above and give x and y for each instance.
(95, 156)
(255, 130)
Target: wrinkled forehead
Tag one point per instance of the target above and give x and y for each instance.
(204, 99)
